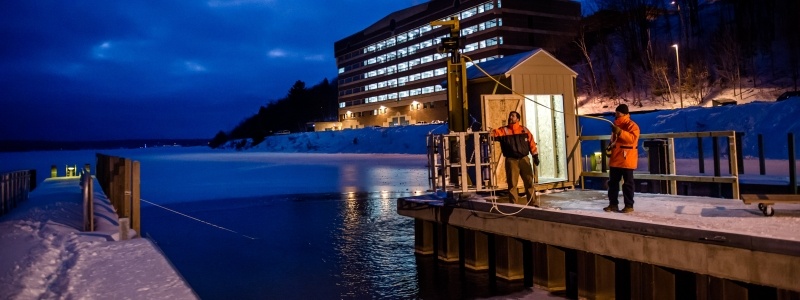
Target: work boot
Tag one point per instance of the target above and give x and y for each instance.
(627, 209)
(611, 208)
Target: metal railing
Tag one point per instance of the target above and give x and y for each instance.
(672, 177)
(14, 188)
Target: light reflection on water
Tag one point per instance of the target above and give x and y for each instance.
(313, 246)
(310, 246)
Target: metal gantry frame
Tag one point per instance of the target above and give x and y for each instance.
(461, 162)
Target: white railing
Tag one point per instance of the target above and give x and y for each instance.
(460, 162)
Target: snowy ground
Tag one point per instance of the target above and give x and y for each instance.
(46, 256)
(715, 214)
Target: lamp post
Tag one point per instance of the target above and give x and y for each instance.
(680, 17)
(678, 65)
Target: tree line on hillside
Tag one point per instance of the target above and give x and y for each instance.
(625, 49)
(300, 106)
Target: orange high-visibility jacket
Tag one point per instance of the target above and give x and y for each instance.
(516, 141)
(624, 153)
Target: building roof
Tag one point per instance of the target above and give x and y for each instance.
(499, 66)
(507, 64)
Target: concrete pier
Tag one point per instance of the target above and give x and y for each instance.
(671, 247)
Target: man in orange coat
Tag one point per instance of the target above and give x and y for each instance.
(516, 142)
(624, 159)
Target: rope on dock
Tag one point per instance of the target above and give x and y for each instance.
(196, 219)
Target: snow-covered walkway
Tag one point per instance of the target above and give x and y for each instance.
(45, 255)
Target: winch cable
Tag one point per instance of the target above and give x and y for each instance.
(196, 219)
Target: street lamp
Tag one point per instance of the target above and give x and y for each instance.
(680, 17)
(678, 65)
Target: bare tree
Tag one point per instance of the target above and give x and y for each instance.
(580, 41)
(728, 64)
(696, 83)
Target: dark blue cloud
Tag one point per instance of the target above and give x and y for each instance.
(92, 70)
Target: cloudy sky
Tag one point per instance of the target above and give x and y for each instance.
(96, 70)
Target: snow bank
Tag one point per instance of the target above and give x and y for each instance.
(773, 120)
(397, 139)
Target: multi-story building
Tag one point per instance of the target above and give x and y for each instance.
(391, 72)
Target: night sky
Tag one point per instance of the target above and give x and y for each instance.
(112, 70)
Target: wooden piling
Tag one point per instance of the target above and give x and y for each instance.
(476, 252)
(423, 237)
(447, 243)
(136, 214)
(549, 271)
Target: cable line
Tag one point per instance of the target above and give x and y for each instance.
(196, 219)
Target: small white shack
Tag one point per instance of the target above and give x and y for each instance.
(542, 89)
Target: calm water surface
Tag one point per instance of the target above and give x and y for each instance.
(320, 246)
(347, 242)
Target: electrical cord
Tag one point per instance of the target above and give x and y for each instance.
(492, 191)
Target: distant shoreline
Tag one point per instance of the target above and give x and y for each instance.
(23, 146)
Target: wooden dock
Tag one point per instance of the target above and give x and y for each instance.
(671, 247)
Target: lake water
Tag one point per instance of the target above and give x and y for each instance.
(320, 246)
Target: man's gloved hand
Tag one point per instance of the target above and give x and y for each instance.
(536, 159)
(615, 129)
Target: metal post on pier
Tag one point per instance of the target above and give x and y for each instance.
(701, 160)
(761, 166)
(739, 153)
(673, 185)
(792, 165)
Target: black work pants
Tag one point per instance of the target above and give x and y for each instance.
(614, 176)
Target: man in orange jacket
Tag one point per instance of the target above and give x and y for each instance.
(624, 159)
(516, 142)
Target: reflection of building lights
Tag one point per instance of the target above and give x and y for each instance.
(382, 109)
